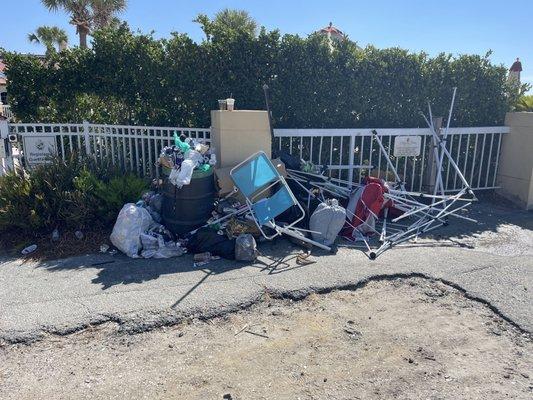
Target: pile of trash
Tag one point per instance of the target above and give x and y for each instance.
(138, 233)
(260, 199)
(186, 155)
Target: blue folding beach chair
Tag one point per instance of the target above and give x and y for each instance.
(268, 196)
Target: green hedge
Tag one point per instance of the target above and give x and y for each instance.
(74, 193)
(135, 79)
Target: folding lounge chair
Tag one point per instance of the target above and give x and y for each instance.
(256, 178)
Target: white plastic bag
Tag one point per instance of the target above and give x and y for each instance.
(131, 222)
(327, 221)
(185, 174)
(195, 156)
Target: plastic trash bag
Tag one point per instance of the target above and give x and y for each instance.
(149, 245)
(154, 246)
(131, 222)
(154, 214)
(169, 250)
(327, 220)
(183, 146)
(206, 239)
(156, 202)
(173, 177)
(196, 157)
(245, 248)
(185, 173)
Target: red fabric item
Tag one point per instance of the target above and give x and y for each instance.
(381, 182)
(371, 200)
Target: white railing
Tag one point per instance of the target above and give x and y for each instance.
(476, 150)
(349, 152)
(135, 148)
(5, 110)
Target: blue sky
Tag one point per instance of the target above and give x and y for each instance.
(454, 26)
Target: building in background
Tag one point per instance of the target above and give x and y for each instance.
(332, 33)
(514, 71)
(3, 83)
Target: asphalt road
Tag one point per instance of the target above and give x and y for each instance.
(491, 261)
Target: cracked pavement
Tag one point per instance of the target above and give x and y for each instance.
(491, 261)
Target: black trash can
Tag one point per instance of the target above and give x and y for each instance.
(188, 208)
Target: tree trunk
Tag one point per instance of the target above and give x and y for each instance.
(83, 38)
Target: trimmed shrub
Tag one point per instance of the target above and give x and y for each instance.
(73, 193)
(128, 78)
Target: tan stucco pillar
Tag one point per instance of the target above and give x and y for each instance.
(236, 135)
(515, 173)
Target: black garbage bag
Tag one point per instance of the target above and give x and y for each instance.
(207, 239)
(290, 161)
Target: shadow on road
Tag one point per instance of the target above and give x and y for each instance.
(276, 257)
(279, 255)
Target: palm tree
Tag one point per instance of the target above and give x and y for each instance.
(525, 103)
(236, 20)
(104, 12)
(87, 14)
(49, 36)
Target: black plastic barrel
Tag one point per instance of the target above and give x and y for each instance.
(188, 208)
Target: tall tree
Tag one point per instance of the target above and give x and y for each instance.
(104, 12)
(86, 15)
(228, 20)
(49, 36)
(236, 19)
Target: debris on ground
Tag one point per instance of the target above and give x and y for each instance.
(265, 198)
(29, 249)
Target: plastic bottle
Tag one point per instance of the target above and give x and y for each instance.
(29, 249)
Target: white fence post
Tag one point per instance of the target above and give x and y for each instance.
(351, 158)
(86, 138)
(5, 153)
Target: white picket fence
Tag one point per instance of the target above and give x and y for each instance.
(476, 150)
(5, 110)
(135, 148)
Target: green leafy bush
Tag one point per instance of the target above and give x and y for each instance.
(525, 103)
(73, 193)
(128, 78)
(115, 193)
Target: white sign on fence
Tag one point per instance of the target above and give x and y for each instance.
(407, 146)
(37, 149)
(4, 130)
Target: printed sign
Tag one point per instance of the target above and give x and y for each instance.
(407, 146)
(4, 130)
(37, 149)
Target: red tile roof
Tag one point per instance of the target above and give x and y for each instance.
(331, 29)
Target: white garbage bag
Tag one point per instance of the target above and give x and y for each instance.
(131, 222)
(154, 246)
(185, 174)
(327, 221)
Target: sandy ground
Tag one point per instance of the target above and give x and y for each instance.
(400, 339)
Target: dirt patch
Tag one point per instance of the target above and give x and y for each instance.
(402, 339)
(68, 244)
